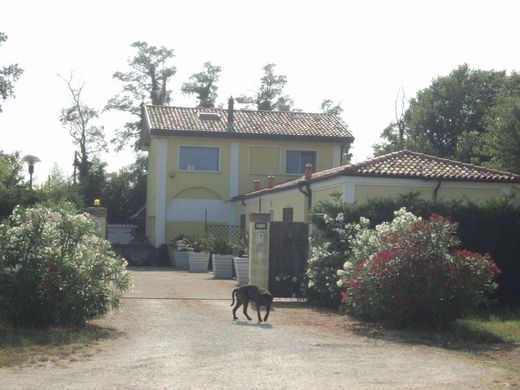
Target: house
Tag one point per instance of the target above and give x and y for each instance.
(200, 158)
(385, 176)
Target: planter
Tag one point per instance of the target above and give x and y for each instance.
(181, 260)
(242, 270)
(222, 266)
(198, 261)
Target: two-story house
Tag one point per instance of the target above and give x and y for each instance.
(200, 158)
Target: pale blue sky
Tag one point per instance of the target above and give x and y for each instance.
(358, 53)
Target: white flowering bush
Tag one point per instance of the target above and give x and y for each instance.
(55, 270)
(328, 253)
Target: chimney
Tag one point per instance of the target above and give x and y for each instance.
(231, 115)
(308, 171)
(256, 185)
(270, 180)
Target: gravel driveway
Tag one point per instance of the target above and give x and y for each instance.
(177, 333)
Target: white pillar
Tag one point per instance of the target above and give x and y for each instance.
(160, 199)
(336, 155)
(234, 162)
(349, 192)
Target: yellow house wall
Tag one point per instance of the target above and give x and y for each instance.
(216, 185)
(450, 192)
(325, 194)
(247, 175)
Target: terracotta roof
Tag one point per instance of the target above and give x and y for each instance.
(403, 164)
(165, 120)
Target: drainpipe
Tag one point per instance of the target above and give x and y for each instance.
(307, 185)
(436, 190)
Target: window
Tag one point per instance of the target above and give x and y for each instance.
(196, 158)
(296, 160)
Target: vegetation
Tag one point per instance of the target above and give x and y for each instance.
(467, 115)
(491, 227)
(204, 85)
(55, 270)
(8, 76)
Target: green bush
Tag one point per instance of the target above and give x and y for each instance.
(489, 227)
(415, 274)
(55, 270)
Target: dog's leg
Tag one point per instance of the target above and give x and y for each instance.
(245, 310)
(267, 310)
(257, 303)
(239, 302)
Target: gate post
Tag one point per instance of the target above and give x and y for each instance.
(259, 249)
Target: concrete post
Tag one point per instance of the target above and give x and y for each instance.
(259, 249)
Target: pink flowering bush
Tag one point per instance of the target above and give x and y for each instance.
(55, 270)
(415, 273)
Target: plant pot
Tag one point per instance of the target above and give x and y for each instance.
(242, 270)
(222, 266)
(198, 261)
(181, 260)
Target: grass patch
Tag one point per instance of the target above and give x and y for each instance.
(496, 325)
(19, 346)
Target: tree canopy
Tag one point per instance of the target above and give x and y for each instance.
(8, 76)
(451, 117)
(204, 85)
(270, 95)
(145, 83)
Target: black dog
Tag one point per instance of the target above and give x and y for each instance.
(260, 296)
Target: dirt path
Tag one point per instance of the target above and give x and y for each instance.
(170, 342)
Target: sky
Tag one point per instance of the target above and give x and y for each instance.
(360, 54)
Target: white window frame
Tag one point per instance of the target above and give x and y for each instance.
(200, 147)
(314, 168)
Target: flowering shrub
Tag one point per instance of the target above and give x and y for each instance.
(328, 253)
(55, 270)
(409, 271)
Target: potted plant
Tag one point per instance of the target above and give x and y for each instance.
(198, 257)
(180, 249)
(222, 256)
(241, 262)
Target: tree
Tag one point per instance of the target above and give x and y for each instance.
(89, 138)
(58, 189)
(203, 85)
(13, 188)
(394, 133)
(329, 107)
(445, 118)
(146, 82)
(8, 76)
(503, 137)
(125, 192)
(270, 95)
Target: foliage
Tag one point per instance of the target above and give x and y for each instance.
(448, 118)
(488, 227)
(409, 271)
(55, 270)
(13, 189)
(219, 244)
(204, 85)
(503, 137)
(89, 138)
(145, 82)
(8, 76)
(240, 245)
(270, 95)
(124, 192)
(193, 242)
(59, 189)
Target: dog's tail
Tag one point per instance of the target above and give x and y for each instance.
(233, 296)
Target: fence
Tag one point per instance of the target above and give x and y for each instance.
(230, 232)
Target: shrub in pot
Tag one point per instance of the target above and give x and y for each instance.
(222, 256)
(198, 257)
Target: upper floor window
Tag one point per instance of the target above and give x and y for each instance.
(198, 158)
(295, 161)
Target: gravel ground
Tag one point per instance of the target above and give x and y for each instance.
(177, 333)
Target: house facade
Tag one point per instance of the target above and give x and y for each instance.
(201, 158)
(386, 176)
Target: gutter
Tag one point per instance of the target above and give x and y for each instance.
(307, 193)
